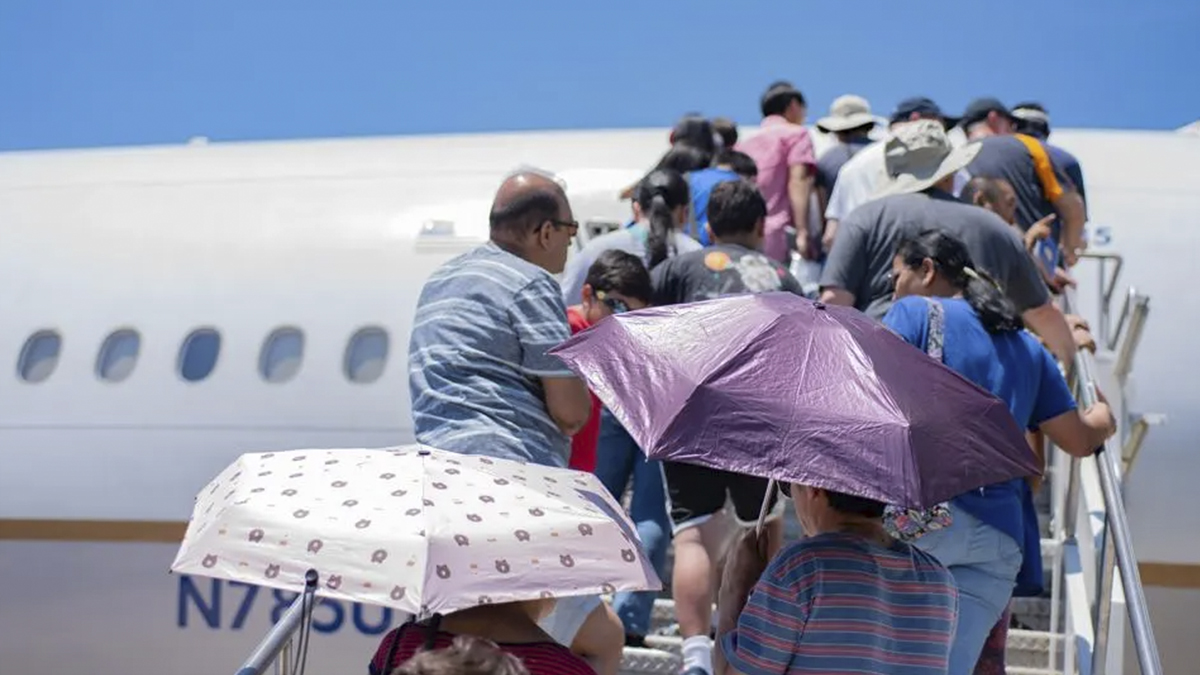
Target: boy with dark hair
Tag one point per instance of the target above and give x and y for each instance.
(616, 283)
(732, 265)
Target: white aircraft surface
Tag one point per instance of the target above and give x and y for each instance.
(165, 309)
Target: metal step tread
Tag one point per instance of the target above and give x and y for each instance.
(1027, 649)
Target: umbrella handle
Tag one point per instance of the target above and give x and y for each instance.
(766, 506)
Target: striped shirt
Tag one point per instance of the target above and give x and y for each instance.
(836, 603)
(540, 658)
(478, 350)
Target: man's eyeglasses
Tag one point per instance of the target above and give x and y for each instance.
(617, 306)
(572, 225)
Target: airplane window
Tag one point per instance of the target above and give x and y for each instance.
(39, 356)
(118, 355)
(366, 355)
(199, 353)
(281, 355)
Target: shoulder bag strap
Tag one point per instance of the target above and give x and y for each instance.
(937, 329)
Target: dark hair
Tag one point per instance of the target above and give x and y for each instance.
(741, 163)
(779, 96)
(467, 655)
(685, 157)
(735, 207)
(988, 187)
(844, 503)
(858, 506)
(621, 272)
(659, 194)
(527, 211)
(951, 259)
(695, 130)
(727, 130)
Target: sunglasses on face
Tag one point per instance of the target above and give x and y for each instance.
(617, 306)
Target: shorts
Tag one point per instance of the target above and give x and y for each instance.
(567, 617)
(698, 492)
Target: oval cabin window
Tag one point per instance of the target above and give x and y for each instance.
(39, 356)
(366, 355)
(282, 353)
(198, 355)
(118, 355)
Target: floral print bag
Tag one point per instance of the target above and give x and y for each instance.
(910, 524)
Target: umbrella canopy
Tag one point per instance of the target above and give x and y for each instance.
(778, 386)
(422, 530)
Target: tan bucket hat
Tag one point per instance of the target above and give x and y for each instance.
(919, 155)
(847, 112)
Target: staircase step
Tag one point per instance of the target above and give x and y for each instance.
(1027, 654)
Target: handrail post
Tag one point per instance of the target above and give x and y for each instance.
(280, 635)
(1104, 591)
(1107, 286)
(1140, 308)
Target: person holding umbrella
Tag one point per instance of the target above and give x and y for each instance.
(806, 394)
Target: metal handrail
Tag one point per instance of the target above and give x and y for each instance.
(276, 647)
(1117, 546)
(1108, 286)
(1137, 308)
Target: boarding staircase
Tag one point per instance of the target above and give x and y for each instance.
(1094, 588)
(1077, 627)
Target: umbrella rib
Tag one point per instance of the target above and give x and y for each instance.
(428, 538)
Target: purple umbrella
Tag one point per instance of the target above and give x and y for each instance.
(781, 387)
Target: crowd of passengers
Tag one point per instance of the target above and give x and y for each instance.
(958, 248)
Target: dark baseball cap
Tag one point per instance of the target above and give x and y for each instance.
(980, 108)
(924, 107)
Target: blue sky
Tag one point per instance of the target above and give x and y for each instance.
(118, 72)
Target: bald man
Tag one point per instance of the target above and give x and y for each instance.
(481, 380)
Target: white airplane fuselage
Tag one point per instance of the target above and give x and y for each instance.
(328, 238)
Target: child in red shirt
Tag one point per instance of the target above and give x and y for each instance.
(617, 282)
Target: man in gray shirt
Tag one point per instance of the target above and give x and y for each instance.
(922, 164)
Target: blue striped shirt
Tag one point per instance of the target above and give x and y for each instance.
(836, 603)
(478, 350)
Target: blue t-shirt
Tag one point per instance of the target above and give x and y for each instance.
(1012, 365)
(701, 184)
(477, 355)
(837, 603)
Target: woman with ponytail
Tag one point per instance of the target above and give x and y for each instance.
(663, 199)
(989, 538)
(660, 208)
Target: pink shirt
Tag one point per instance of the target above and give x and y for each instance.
(779, 146)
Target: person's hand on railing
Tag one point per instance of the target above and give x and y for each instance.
(1099, 416)
(1059, 281)
(1082, 332)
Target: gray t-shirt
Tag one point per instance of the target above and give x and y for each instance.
(861, 259)
(477, 355)
(1008, 158)
(631, 239)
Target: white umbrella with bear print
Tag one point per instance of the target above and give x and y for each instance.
(415, 528)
